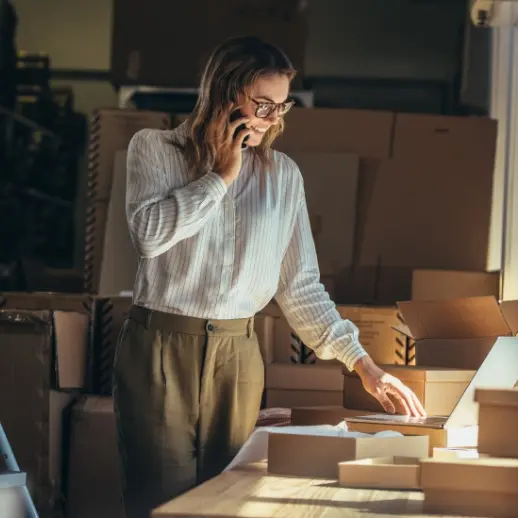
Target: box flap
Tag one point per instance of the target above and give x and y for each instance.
(474, 317)
(499, 370)
(404, 330)
(18, 318)
(80, 303)
(509, 309)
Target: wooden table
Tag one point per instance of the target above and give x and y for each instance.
(250, 492)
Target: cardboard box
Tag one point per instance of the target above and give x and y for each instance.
(297, 385)
(377, 334)
(145, 57)
(93, 464)
(32, 413)
(331, 184)
(449, 284)
(361, 132)
(55, 322)
(438, 389)
(476, 487)
(455, 453)
(317, 456)
(498, 422)
(380, 472)
(110, 130)
(317, 415)
(456, 333)
(460, 428)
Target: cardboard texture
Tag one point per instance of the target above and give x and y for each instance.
(360, 132)
(380, 472)
(145, 57)
(59, 320)
(449, 284)
(285, 398)
(109, 314)
(453, 454)
(456, 333)
(32, 414)
(293, 385)
(498, 422)
(460, 428)
(93, 464)
(330, 184)
(377, 334)
(110, 131)
(475, 487)
(118, 268)
(333, 415)
(321, 454)
(438, 389)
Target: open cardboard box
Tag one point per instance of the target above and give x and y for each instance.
(460, 428)
(438, 389)
(317, 456)
(476, 487)
(380, 472)
(457, 333)
(498, 421)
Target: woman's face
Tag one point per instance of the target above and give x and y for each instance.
(265, 91)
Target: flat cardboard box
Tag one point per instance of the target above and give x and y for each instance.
(317, 415)
(377, 334)
(453, 284)
(93, 464)
(380, 472)
(438, 389)
(289, 385)
(456, 333)
(476, 487)
(317, 456)
(498, 422)
(460, 428)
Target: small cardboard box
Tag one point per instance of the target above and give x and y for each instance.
(380, 472)
(437, 389)
(460, 428)
(498, 422)
(317, 456)
(289, 385)
(456, 333)
(476, 487)
(317, 415)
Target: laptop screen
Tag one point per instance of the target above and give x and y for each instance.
(499, 370)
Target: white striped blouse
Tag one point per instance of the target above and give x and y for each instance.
(214, 252)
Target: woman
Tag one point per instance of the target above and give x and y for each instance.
(220, 229)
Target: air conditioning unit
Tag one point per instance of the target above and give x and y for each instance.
(489, 14)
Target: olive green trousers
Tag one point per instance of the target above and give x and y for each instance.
(187, 394)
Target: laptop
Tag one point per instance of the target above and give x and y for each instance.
(499, 370)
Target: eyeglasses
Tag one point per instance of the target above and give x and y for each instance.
(265, 109)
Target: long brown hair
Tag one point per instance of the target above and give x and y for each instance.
(230, 71)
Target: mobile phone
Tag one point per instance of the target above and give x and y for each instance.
(234, 116)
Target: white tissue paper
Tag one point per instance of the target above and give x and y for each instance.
(255, 448)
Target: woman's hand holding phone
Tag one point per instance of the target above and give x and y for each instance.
(228, 165)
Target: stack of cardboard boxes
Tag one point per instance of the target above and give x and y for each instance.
(374, 183)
